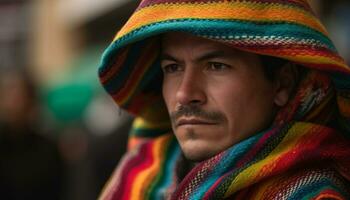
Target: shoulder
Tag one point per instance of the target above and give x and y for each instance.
(142, 169)
(316, 183)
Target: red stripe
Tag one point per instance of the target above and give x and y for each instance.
(257, 147)
(115, 67)
(197, 171)
(303, 151)
(329, 194)
(140, 67)
(142, 161)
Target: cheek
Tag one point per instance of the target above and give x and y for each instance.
(247, 107)
(168, 92)
(231, 102)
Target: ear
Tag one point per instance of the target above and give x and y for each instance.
(285, 82)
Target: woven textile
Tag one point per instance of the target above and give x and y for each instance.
(306, 152)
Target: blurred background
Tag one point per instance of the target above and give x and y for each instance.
(61, 136)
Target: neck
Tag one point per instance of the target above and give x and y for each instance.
(184, 166)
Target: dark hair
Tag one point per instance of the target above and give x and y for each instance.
(271, 65)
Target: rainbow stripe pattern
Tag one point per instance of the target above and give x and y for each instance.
(243, 171)
(151, 164)
(306, 152)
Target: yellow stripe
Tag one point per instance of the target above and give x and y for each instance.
(143, 180)
(260, 193)
(249, 174)
(220, 10)
(141, 123)
(310, 59)
(315, 59)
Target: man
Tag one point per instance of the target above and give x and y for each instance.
(209, 92)
(257, 96)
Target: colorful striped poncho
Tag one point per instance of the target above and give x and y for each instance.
(305, 154)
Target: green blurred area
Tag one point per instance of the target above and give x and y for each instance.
(68, 96)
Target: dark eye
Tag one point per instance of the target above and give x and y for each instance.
(216, 66)
(171, 68)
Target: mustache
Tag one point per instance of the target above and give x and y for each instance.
(196, 111)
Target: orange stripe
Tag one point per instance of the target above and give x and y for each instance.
(222, 10)
(145, 177)
(118, 62)
(329, 196)
(295, 50)
(142, 65)
(256, 171)
(302, 57)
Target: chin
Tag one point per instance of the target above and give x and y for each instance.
(197, 148)
(197, 156)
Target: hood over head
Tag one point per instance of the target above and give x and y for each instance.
(130, 68)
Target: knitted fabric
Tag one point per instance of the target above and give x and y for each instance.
(306, 152)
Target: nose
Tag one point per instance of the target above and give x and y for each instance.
(191, 89)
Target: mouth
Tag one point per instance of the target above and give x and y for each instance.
(193, 122)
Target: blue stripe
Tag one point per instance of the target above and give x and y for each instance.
(231, 157)
(169, 171)
(235, 153)
(149, 83)
(116, 82)
(312, 188)
(225, 27)
(201, 27)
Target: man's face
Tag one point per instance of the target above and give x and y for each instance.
(216, 95)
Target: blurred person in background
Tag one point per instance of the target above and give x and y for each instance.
(336, 15)
(258, 99)
(30, 163)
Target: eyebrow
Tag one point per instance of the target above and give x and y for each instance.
(205, 56)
